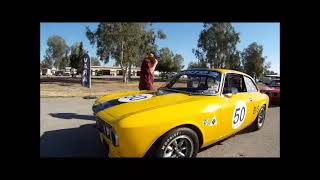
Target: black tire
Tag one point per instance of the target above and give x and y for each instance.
(259, 121)
(185, 139)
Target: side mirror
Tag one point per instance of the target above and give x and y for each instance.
(230, 91)
(227, 92)
(228, 95)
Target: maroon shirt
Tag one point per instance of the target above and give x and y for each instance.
(146, 77)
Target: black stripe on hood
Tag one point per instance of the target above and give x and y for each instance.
(108, 104)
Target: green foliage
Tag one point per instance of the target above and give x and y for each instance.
(46, 63)
(57, 48)
(65, 61)
(266, 68)
(127, 43)
(77, 52)
(95, 61)
(199, 64)
(169, 62)
(253, 61)
(217, 46)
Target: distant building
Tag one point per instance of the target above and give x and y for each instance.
(103, 70)
(268, 78)
(53, 70)
(113, 71)
(46, 71)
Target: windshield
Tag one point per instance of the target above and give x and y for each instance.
(275, 83)
(197, 82)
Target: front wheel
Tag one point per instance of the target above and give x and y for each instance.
(178, 143)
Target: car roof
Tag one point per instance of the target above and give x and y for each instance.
(221, 70)
(227, 71)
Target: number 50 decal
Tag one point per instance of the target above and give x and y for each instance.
(239, 114)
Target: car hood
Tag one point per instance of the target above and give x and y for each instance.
(122, 105)
(268, 88)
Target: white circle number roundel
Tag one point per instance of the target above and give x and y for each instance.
(137, 97)
(239, 114)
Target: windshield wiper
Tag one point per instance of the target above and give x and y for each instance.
(202, 94)
(185, 92)
(174, 90)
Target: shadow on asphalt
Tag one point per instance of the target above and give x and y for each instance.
(244, 131)
(274, 105)
(73, 116)
(247, 130)
(46, 80)
(74, 142)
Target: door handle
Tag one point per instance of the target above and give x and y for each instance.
(250, 99)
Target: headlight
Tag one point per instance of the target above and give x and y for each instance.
(114, 137)
(108, 130)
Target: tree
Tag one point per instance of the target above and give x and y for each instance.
(65, 61)
(267, 72)
(47, 63)
(217, 46)
(57, 48)
(253, 61)
(169, 61)
(95, 61)
(192, 65)
(177, 63)
(266, 68)
(123, 42)
(145, 45)
(77, 52)
(234, 61)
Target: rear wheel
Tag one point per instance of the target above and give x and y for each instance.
(178, 143)
(258, 123)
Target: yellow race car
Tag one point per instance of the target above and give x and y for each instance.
(196, 108)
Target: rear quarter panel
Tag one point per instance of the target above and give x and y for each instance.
(261, 99)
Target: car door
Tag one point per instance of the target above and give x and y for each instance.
(237, 104)
(254, 97)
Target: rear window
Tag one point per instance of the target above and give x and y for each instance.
(250, 86)
(275, 83)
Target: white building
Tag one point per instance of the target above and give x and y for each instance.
(46, 71)
(113, 71)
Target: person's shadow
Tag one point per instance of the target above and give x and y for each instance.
(72, 116)
(74, 142)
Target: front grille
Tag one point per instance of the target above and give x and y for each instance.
(103, 127)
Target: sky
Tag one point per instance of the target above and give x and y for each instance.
(181, 38)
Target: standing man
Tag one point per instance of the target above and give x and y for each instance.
(147, 71)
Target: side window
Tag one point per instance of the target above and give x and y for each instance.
(250, 86)
(272, 83)
(234, 83)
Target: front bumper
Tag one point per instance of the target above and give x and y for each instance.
(111, 150)
(274, 99)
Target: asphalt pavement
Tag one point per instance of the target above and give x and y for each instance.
(67, 130)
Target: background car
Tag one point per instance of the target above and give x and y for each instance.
(182, 116)
(273, 91)
(170, 75)
(99, 73)
(59, 73)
